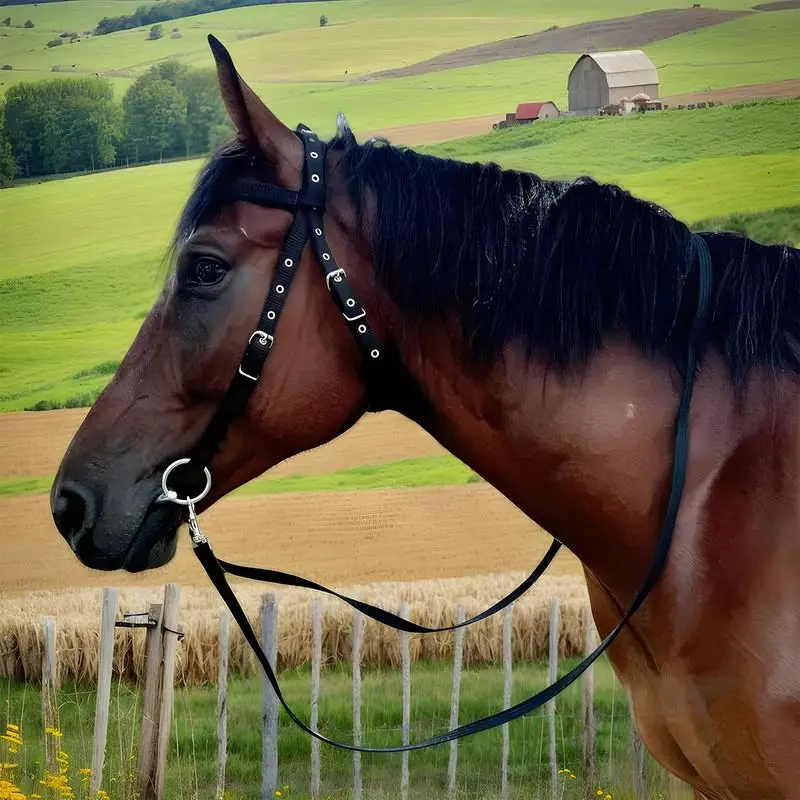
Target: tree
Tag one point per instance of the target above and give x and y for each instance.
(8, 167)
(28, 23)
(203, 124)
(156, 32)
(62, 126)
(154, 118)
(206, 120)
(7, 22)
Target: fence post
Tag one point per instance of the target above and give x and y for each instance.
(169, 646)
(269, 642)
(358, 629)
(148, 736)
(316, 661)
(458, 652)
(50, 691)
(222, 701)
(552, 675)
(406, 661)
(587, 703)
(105, 666)
(638, 757)
(507, 619)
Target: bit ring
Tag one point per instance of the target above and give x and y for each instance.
(171, 495)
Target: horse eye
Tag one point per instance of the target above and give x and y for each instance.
(205, 271)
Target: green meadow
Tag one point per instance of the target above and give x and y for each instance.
(85, 257)
(191, 770)
(409, 473)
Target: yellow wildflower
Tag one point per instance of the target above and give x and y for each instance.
(278, 793)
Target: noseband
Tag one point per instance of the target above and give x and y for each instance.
(308, 207)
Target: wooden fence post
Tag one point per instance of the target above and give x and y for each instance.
(458, 653)
(50, 691)
(406, 661)
(105, 666)
(316, 661)
(507, 619)
(638, 758)
(222, 701)
(358, 630)
(269, 642)
(587, 705)
(148, 736)
(552, 675)
(170, 633)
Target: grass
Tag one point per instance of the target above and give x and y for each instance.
(406, 474)
(192, 758)
(307, 72)
(776, 225)
(75, 247)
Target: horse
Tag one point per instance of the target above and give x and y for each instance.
(537, 330)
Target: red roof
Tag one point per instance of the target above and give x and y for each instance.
(528, 110)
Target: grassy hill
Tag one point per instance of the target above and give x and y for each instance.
(84, 257)
(311, 73)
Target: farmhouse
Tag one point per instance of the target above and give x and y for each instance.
(598, 80)
(527, 113)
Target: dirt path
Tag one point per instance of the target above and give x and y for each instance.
(434, 132)
(778, 5)
(610, 34)
(740, 94)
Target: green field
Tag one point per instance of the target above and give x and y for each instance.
(309, 73)
(409, 473)
(192, 762)
(84, 257)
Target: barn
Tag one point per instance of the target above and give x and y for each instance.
(599, 79)
(527, 113)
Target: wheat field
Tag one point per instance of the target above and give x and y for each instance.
(431, 602)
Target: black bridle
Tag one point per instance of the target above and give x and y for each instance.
(308, 206)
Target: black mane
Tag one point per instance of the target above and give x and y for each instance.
(556, 264)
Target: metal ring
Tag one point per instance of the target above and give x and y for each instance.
(170, 494)
(315, 178)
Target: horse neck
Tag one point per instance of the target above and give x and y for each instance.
(586, 455)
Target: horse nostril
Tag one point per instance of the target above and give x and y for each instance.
(73, 512)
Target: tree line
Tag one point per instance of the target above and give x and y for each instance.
(174, 9)
(71, 125)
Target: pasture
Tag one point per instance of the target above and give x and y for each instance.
(192, 761)
(77, 246)
(83, 259)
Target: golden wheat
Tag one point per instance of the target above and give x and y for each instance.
(432, 603)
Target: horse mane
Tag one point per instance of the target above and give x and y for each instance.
(558, 265)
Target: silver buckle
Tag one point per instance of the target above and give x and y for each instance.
(265, 340)
(170, 495)
(337, 275)
(357, 316)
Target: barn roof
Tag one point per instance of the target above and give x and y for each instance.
(528, 110)
(625, 67)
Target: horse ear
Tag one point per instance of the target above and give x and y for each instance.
(255, 124)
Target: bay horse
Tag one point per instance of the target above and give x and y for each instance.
(536, 329)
